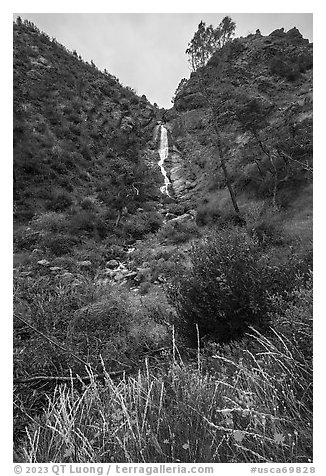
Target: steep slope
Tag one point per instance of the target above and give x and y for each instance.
(77, 131)
(256, 95)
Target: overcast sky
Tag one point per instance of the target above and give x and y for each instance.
(146, 51)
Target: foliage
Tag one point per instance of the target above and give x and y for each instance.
(228, 286)
(178, 231)
(292, 67)
(285, 69)
(139, 225)
(72, 125)
(207, 40)
(280, 160)
(243, 403)
(212, 214)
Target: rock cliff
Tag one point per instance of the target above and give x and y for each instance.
(270, 73)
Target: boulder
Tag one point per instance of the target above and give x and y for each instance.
(112, 263)
(84, 264)
(182, 218)
(44, 262)
(131, 274)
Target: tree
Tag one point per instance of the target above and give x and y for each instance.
(205, 42)
(208, 40)
(282, 151)
(225, 31)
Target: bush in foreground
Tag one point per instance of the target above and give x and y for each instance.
(228, 286)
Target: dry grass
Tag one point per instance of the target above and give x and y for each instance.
(256, 408)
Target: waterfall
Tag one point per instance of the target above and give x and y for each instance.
(164, 152)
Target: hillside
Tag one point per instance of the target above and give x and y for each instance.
(163, 323)
(72, 125)
(258, 89)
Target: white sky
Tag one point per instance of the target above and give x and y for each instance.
(146, 51)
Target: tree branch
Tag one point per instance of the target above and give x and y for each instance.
(289, 157)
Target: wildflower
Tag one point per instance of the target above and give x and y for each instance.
(238, 435)
(185, 446)
(279, 438)
(166, 442)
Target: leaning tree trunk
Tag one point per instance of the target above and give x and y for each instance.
(229, 185)
(225, 171)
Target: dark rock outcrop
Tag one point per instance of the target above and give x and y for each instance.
(275, 73)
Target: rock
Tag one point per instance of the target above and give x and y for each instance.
(110, 272)
(127, 123)
(124, 271)
(182, 218)
(170, 216)
(67, 275)
(112, 263)
(294, 33)
(44, 262)
(55, 268)
(279, 32)
(25, 273)
(84, 264)
(131, 274)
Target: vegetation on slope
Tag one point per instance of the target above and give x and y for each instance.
(77, 132)
(245, 119)
(143, 333)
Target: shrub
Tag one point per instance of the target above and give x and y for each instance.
(267, 232)
(50, 221)
(140, 225)
(88, 204)
(25, 238)
(228, 286)
(60, 202)
(57, 244)
(178, 231)
(144, 288)
(293, 318)
(286, 69)
(210, 213)
(81, 221)
(177, 208)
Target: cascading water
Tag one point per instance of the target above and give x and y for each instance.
(164, 152)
